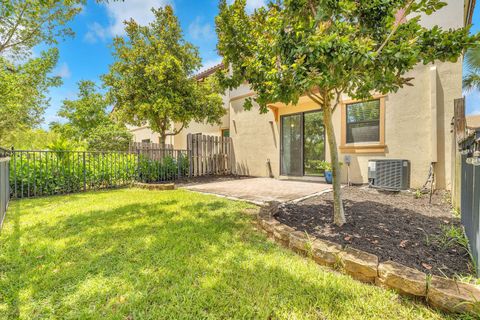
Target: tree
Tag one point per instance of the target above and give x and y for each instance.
(24, 81)
(27, 23)
(88, 121)
(23, 91)
(326, 49)
(152, 80)
(29, 139)
(471, 81)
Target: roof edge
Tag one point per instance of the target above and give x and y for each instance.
(208, 72)
(469, 8)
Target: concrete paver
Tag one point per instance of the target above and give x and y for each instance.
(261, 190)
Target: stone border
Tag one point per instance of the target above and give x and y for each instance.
(155, 186)
(442, 293)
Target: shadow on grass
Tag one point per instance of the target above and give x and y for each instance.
(170, 258)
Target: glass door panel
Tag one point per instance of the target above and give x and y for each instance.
(313, 143)
(291, 148)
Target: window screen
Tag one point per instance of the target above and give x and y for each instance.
(363, 121)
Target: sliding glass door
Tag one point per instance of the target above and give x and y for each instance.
(313, 143)
(291, 150)
(302, 144)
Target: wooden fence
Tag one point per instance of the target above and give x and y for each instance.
(210, 155)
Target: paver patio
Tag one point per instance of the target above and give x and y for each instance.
(261, 190)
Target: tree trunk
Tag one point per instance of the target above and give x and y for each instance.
(338, 212)
(162, 139)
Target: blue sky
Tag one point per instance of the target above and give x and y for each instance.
(473, 98)
(88, 55)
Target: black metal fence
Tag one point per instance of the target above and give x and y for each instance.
(470, 194)
(42, 173)
(4, 185)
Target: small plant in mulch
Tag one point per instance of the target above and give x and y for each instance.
(418, 194)
(394, 226)
(452, 235)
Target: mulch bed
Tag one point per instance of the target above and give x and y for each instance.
(393, 226)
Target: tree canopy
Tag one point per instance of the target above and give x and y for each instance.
(88, 121)
(24, 81)
(471, 81)
(23, 92)
(27, 23)
(152, 79)
(326, 49)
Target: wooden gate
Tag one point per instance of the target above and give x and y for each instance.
(210, 155)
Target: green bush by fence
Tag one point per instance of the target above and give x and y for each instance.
(40, 173)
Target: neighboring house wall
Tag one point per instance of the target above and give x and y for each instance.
(473, 121)
(141, 134)
(180, 140)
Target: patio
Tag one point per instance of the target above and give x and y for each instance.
(261, 190)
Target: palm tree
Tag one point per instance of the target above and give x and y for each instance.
(471, 81)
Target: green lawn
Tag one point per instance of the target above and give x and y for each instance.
(137, 254)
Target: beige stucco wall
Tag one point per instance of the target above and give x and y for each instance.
(417, 125)
(143, 133)
(255, 139)
(195, 127)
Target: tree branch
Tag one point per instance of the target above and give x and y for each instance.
(176, 131)
(3, 46)
(395, 27)
(315, 98)
(312, 8)
(337, 99)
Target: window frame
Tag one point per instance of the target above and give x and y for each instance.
(363, 147)
(223, 132)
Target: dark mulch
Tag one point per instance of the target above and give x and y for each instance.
(393, 226)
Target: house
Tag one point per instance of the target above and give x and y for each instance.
(412, 124)
(473, 121)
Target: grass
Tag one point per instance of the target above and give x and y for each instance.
(139, 254)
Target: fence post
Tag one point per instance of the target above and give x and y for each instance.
(179, 163)
(189, 154)
(138, 165)
(84, 173)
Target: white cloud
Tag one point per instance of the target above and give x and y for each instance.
(138, 10)
(253, 4)
(120, 11)
(96, 32)
(199, 31)
(210, 63)
(63, 71)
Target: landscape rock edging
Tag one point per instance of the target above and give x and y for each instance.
(155, 186)
(442, 293)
